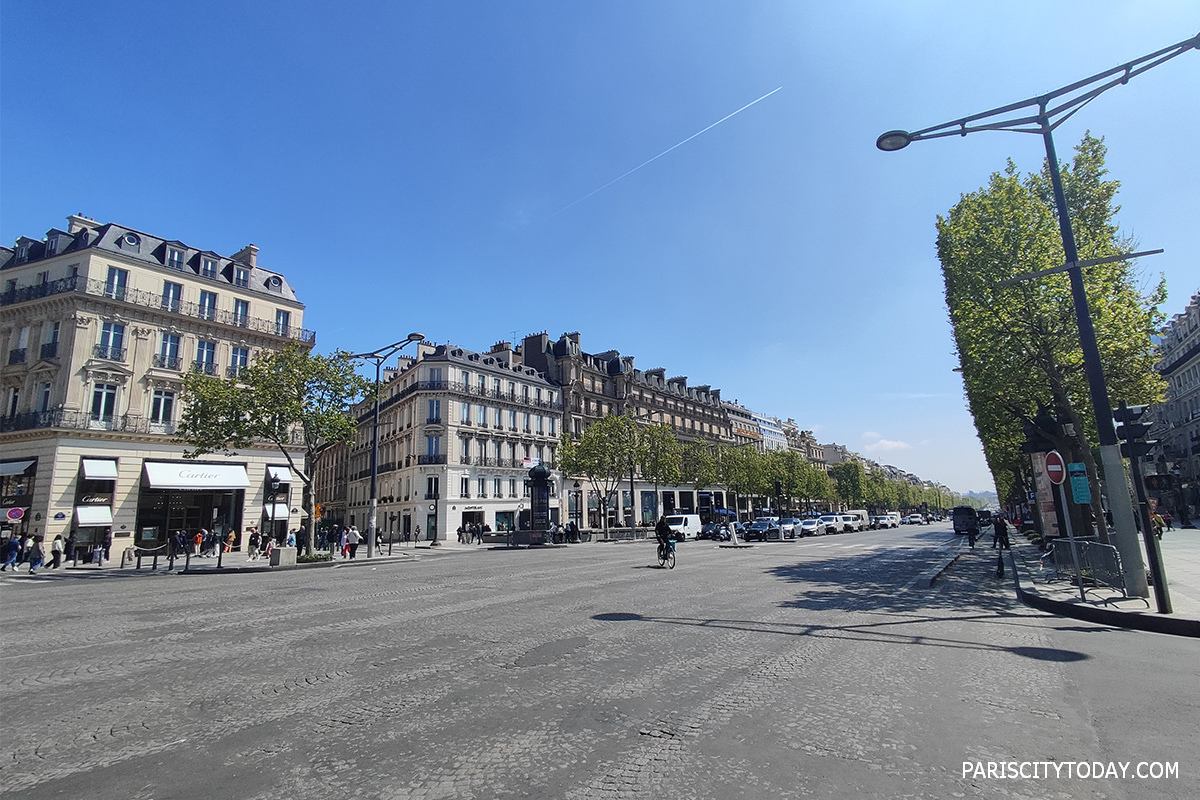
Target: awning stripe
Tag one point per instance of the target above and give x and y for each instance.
(100, 469)
(162, 475)
(93, 515)
(280, 511)
(281, 473)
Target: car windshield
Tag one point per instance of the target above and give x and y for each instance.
(674, 520)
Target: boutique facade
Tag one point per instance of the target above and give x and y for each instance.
(100, 322)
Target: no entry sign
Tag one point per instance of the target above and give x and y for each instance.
(1056, 467)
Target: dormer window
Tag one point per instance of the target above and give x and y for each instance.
(241, 276)
(208, 267)
(131, 241)
(51, 246)
(174, 258)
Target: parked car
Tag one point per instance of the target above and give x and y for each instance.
(809, 527)
(850, 523)
(861, 520)
(830, 523)
(880, 523)
(762, 530)
(914, 519)
(715, 531)
(790, 527)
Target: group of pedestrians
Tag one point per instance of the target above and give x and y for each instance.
(203, 543)
(31, 550)
(472, 532)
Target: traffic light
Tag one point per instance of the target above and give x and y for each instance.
(1128, 427)
(1131, 432)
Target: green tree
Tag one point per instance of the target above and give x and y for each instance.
(660, 457)
(290, 398)
(849, 477)
(1018, 344)
(604, 453)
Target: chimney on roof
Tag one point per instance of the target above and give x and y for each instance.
(247, 255)
(78, 222)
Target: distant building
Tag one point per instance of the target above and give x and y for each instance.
(1178, 417)
(459, 431)
(101, 323)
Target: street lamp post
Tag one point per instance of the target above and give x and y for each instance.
(1043, 122)
(578, 508)
(378, 357)
(274, 495)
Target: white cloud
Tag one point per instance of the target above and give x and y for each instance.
(886, 445)
(871, 435)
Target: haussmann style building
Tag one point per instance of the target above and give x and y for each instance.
(99, 323)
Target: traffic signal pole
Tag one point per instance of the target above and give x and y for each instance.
(1128, 417)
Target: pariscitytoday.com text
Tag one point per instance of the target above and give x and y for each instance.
(1040, 770)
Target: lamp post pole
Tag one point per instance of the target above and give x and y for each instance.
(1043, 123)
(378, 357)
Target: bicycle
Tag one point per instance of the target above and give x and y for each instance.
(666, 554)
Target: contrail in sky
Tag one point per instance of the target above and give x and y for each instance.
(664, 152)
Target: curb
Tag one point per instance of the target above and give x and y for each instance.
(1104, 616)
(926, 579)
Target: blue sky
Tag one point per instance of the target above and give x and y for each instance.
(412, 167)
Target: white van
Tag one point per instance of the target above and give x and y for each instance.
(861, 520)
(894, 516)
(684, 526)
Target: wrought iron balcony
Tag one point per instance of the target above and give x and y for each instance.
(110, 353)
(207, 367)
(167, 362)
(439, 458)
(153, 300)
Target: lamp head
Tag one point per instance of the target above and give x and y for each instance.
(893, 140)
(416, 337)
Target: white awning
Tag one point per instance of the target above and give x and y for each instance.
(277, 511)
(279, 472)
(196, 476)
(100, 469)
(14, 467)
(93, 515)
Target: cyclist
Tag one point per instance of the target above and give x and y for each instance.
(666, 544)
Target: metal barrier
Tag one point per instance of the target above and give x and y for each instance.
(628, 534)
(1099, 564)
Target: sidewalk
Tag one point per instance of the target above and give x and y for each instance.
(1037, 585)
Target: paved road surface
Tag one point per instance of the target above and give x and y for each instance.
(817, 668)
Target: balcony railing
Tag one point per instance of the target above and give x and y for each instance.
(153, 300)
(110, 353)
(167, 362)
(432, 459)
(16, 356)
(206, 367)
(433, 420)
(84, 420)
(50, 350)
(233, 370)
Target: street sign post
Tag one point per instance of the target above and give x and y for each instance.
(1081, 492)
(1056, 467)
(1056, 471)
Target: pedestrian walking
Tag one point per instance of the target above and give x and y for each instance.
(255, 541)
(198, 542)
(69, 555)
(461, 534)
(23, 552)
(37, 556)
(344, 542)
(352, 540)
(1167, 520)
(107, 544)
(1000, 542)
(57, 548)
(8, 553)
(1157, 522)
(478, 537)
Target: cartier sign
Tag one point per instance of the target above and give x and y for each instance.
(100, 499)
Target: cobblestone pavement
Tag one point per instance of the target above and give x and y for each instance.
(816, 668)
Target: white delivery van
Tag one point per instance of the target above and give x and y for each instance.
(861, 521)
(894, 516)
(684, 526)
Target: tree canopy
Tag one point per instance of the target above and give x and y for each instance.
(1018, 344)
(290, 398)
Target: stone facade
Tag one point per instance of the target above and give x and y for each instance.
(99, 324)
